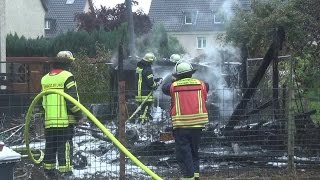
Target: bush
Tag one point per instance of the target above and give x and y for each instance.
(75, 42)
(93, 77)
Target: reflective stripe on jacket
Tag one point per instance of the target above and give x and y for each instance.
(145, 82)
(188, 102)
(55, 106)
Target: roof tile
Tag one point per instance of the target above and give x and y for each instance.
(171, 13)
(64, 15)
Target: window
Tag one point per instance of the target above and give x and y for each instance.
(70, 2)
(19, 72)
(217, 19)
(201, 42)
(47, 24)
(188, 18)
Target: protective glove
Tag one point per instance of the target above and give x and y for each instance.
(158, 79)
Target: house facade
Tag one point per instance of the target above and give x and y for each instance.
(61, 16)
(197, 24)
(25, 17)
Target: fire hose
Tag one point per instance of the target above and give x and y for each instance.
(140, 106)
(143, 102)
(92, 118)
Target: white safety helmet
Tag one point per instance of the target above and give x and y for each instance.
(182, 68)
(175, 58)
(65, 56)
(149, 57)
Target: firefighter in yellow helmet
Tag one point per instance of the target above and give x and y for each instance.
(60, 116)
(189, 116)
(146, 83)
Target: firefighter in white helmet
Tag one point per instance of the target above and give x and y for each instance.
(60, 116)
(146, 83)
(189, 116)
(175, 58)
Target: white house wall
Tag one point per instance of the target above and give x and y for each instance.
(86, 7)
(189, 41)
(25, 17)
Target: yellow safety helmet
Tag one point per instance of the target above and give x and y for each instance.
(149, 57)
(175, 58)
(65, 56)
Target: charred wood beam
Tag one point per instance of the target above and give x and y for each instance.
(95, 133)
(241, 107)
(303, 120)
(306, 114)
(155, 148)
(258, 109)
(238, 113)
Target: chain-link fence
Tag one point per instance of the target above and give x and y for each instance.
(257, 145)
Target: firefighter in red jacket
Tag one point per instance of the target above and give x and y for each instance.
(189, 116)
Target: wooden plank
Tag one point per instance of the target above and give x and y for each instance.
(27, 60)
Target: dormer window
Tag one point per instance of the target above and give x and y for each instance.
(188, 18)
(70, 1)
(47, 24)
(218, 19)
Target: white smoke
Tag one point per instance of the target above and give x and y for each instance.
(211, 66)
(216, 57)
(227, 8)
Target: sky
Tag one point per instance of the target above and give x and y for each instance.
(143, 4)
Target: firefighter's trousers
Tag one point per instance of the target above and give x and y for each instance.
(59, 143)
(145, 112)
(187, 142)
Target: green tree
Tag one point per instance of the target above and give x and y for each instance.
(158, 42)
(109, 19)
(300, 20)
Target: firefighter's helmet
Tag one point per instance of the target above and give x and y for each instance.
(65, 56)
(175, 58)
(183, 68)
(149, 57)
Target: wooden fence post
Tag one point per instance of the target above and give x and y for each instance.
(122, 111)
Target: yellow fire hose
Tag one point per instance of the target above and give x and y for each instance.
(92, 118)
(140, 106)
